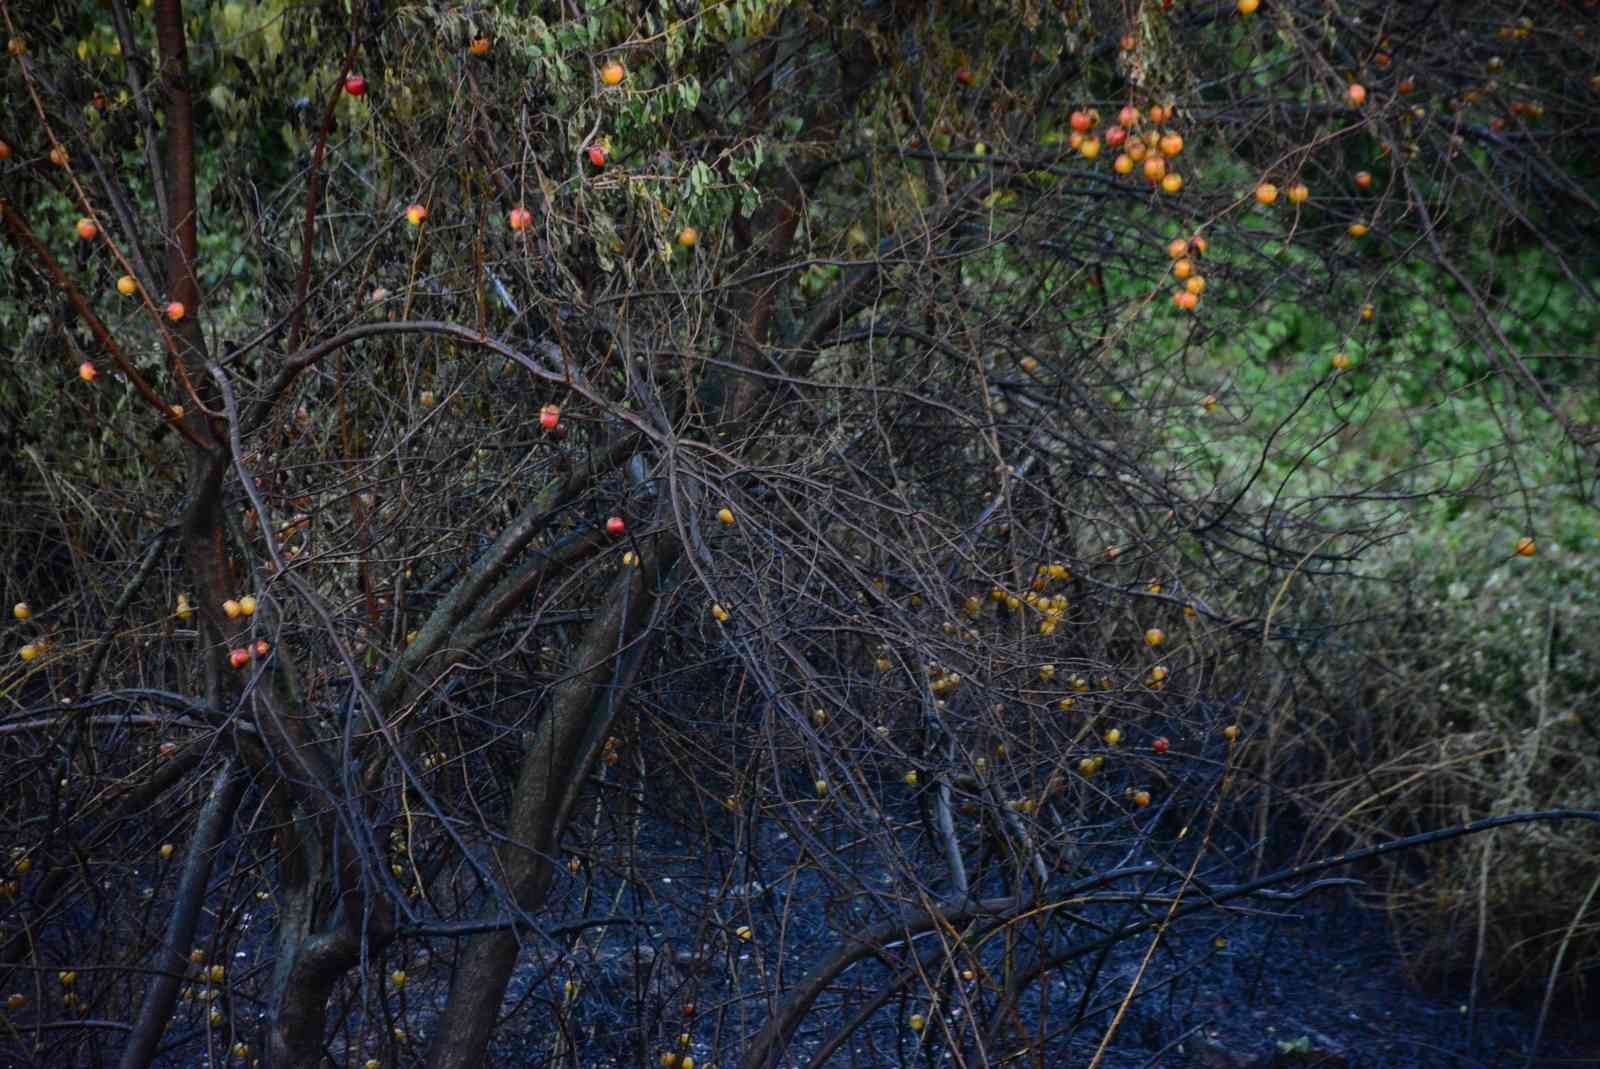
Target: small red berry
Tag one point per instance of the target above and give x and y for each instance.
(615, 526)
(1160, 745)
(355, 85)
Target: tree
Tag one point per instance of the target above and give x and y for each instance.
(916, 416)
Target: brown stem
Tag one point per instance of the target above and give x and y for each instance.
(216, 814)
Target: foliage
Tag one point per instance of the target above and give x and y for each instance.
(937, 508)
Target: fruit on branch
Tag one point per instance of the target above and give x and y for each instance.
(918, 1022)
(1356, 95)
(261, 648)
(87, 230)
(725, 515)
(719, 614)
(1368, 312)
(1171, 182)
(398, 978)
(1195, 285)
(1266, 193)
(1198, 245)
(416, 213)
(1182, 269)
(28, 652)
(615, 526)
(1186, 301)
(87, 371)
(1231, 732)
(596, 154)
(1081, 121)
(1170, 145)
(965, 76)
(1209, 402)
(1363, 179)
(1358, 230)
(1340, 361)
(1299, 193)
(1155, 169)
(1128, 42)
(479, 46)
(911, 778)
(239, 657)
(1114, 737)
(1123, 164)
(1141, 798)
(231, 609)
(17, 46)
(1177, 248)
(247, 605)
(184, 610)
(22, 610)
(1116, 136)
(688, 237)
(1248, 7)
(1526, 547)
(1089, 148)
(1158, 115)
(166, 851)
(1160, 745)
(1154, 637)
(5, 152)
(58, 156)
(1129, 116)
(355, 85)
(519, 218)
(127, 286)
(427, 398)
(1137, 150)
(612, 74)
(176, 310)
(550, 417)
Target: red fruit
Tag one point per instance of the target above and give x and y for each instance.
(1115, 137)
(1082, 121)
(87, 230)
(615, 526)
(1160, 745)
(550, 417)
(965, 76)
(239, 657)
(1129, 116)
(355, 85)
(597, 155)
(87, 371)
(519, 218)
(262, 649)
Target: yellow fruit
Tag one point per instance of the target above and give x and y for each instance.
(398, 977)
(1231, 732)
(612, 73)
(1154, 637)
(1266, 193)
(911, 778)
(1182, 269)
(28, 652)
(688, 237)
(247, 605)
(1248, 7)
(725, 515)
(822, 788)
(231, 609)
(1113, 737)
(1299, 193)
(744, 932)
(1340, 361)
(127, 286)
(1358, 230)
(918, 1022)
(1526, 547)
(166, 851)
(22, 610)
(719, 614)
(1172, 182)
